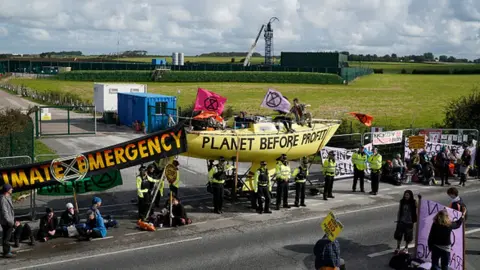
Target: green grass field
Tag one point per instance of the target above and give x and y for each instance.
(395, 100)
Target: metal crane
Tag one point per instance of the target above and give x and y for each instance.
(268, 43)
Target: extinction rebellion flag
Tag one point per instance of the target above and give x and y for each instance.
(276, 101)
(162, 144)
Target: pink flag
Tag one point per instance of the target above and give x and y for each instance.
(209, 101)
(276, 101)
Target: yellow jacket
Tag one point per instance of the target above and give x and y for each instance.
(255, 181)
(283, 172)
(297, 171)
(214, 170)
(375, 162)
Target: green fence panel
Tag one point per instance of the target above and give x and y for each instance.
(17, 144)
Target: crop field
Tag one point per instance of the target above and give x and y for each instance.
(395, 100)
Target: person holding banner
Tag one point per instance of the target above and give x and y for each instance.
(359, 161)
(329, 167)
(439, 239)
(143, 184)
(375, 162)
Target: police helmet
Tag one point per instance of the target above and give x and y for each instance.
(263, 163)
(283, 157)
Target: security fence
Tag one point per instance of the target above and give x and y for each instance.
(17, 144)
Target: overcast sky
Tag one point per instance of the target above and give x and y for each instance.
(449, 27)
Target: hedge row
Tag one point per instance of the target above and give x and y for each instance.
(204, 76)
(446, 71)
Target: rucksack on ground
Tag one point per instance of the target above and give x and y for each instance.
(400, 261)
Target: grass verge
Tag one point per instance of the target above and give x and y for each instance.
(394, 100)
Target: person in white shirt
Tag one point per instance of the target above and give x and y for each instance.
(399, 165)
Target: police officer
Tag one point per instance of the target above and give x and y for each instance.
(375, 162)
(142, 192)
(217, 176)
(153, 173)
(282, 175)
(329, 166)
(263, 187)
(359, 161)
(300, 174)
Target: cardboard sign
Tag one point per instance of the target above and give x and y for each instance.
(416, 142)
(331, 226)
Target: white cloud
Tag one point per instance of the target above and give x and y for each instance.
(196, 26)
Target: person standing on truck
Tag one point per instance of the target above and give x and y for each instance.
(329, 167)
(217, 176)
(263, 187)
(375, 162)
(359, 161)
(300, 174)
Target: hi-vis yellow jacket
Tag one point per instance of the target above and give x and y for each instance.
(214, 170)
(141, 190)
(256, 182)
(305, 174)
(375, 162)
(359, 160)
(329, 167)
(282, 172)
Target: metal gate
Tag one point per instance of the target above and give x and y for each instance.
(65, 120)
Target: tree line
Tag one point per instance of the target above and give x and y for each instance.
(228, 54)
(426, 57)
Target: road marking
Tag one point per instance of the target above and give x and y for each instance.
(385, 189)
(344, 213)
(135, 233)
(104, 238)
(24, 250)
(314, 204)
(201, 222)
(188, 170)
(471, 191)
(222, 219)
(381, 253)
(385, 252)
(11, 101)
(339, 200)
(107, 254)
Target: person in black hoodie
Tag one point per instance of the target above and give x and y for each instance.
(406, 218)
(465, 166)
(179, 215)
(48, 226)
(439, 241)
(69, 218)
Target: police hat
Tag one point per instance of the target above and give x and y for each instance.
(305, 161)
(263, 163)
(283, 157)
(175, 163)
(221, 159)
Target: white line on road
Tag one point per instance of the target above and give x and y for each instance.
(24, 250)
(471, 191)
(104, 238)
(344, 213)
(188, 170)
(135, 233)
(385, 189)
(201, 222)
(107, 254)
(385, 252)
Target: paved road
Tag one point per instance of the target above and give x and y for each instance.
(366, 243)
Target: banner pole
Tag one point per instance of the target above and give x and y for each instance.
(171, 199)
(156, 191)
(418, 221)
(75, 197)
(236, 169)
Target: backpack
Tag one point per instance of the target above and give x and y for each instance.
(400, 261)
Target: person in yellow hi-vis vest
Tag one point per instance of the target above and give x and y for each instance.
(217, 176)
(359, 161)
(282, 175)
(143, 183)
(300, 175)
(262, 188)
(375, 162)
(329, 167)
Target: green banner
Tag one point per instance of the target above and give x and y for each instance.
(96, 183)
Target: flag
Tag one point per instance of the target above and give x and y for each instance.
(209, 101)
(276, 101)
(363, 118)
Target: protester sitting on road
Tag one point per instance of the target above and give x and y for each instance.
(96, 203)
(179, 215)
(95, 228)
(21, 233)
(415, 159)
(69, 218)
(406, 218)
(398, 165)
(439, 239)
(48, 226)
(327, 254)
(387, 172)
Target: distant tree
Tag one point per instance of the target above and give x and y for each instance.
(451, 59)
(429, 56)
(443, 58)
(232, 60)
(464, 112)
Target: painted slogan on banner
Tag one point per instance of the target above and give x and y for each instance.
(428, 210)
(432, 149)
(343, 159)
(155, 146)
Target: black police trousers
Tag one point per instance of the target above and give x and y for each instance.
(263, 192)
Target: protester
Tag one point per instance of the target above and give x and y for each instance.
(399, 165)
(457, 202)
(466, 160)
(439, 241)
(48, 226)
(327, 254)
(302, 117)
(416, 161)
(179, 215)
(95, 228)
(285, 120)
(443, 163)
(406, 218)
(96, 203)
(7, 220)
(69, 218)
(22, 233)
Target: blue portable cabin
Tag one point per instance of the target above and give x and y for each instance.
(159, 61)
(152, 109)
